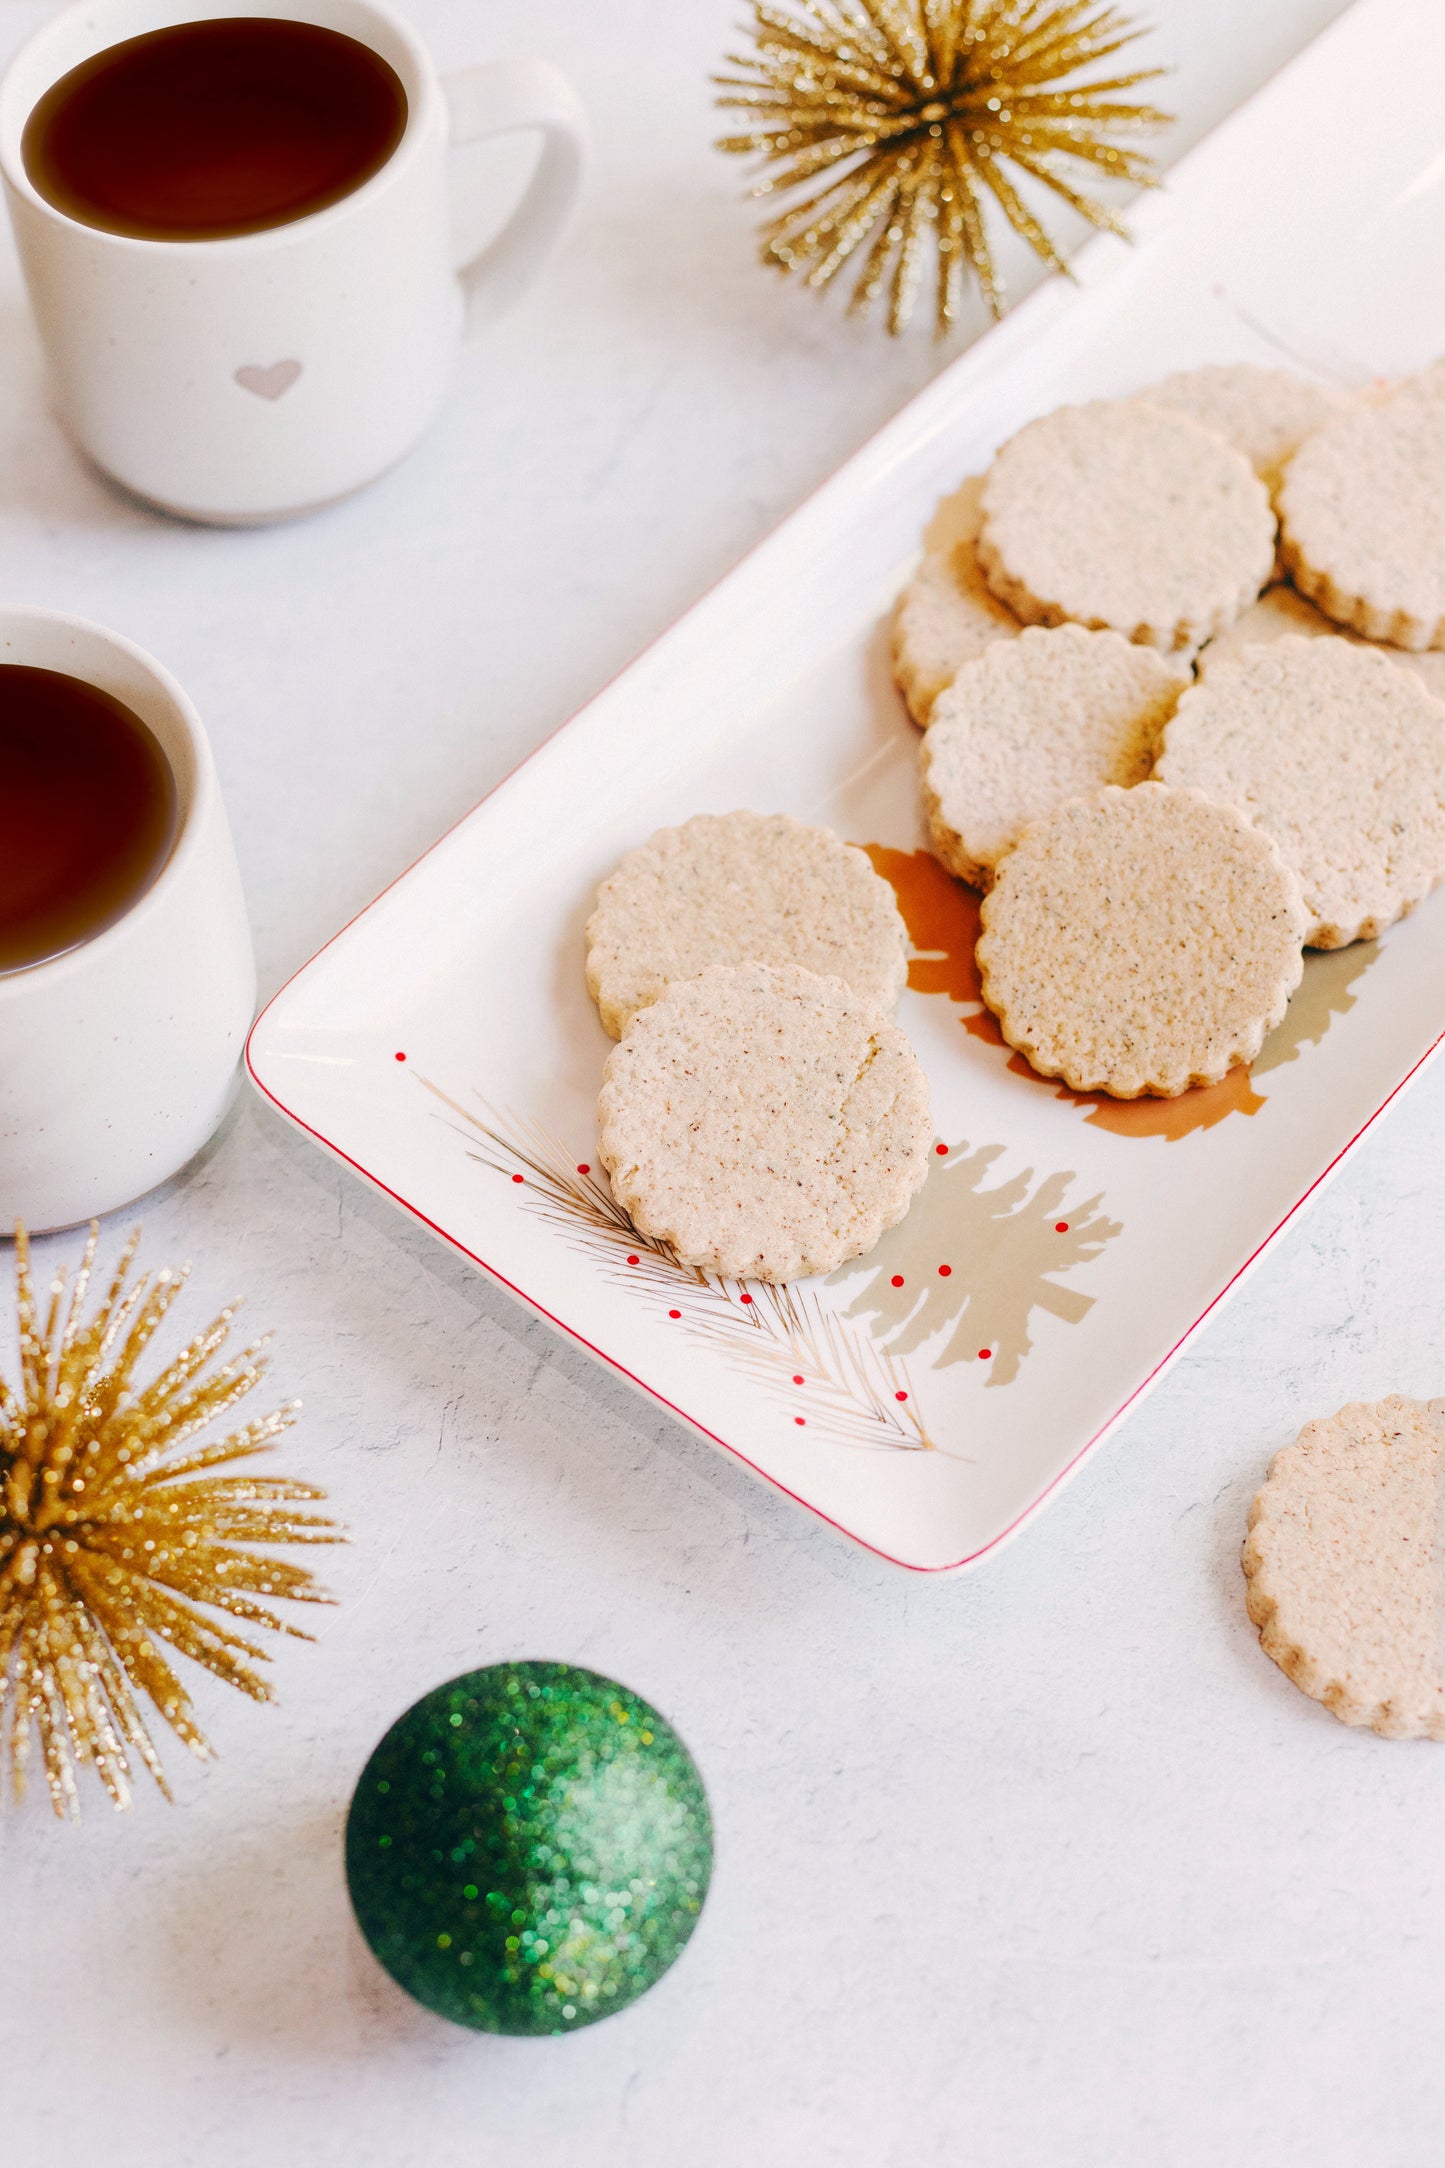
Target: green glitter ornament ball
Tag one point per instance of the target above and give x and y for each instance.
(528, 1848)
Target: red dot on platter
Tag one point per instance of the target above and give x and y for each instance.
(984, 1353)
(674, 1313)
(942, 1150)
(799, 1420)
(582, 1167)
(897, 1280)
(401, 1057)
(900, 1396)
(516, 1178)
(632, 1260)
(745, 1298)
(797, 1381)
(1061, 1227)
(945, 1272)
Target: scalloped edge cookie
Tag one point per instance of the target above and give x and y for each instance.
(1264, 413)
(1140, 942)
(1281, 610)
(1339, 754)
(948, 614)
(1128, 518)
(733, 888)
(766, 1124)
(1362, 520)
(1052, 715)
(1342, 1562)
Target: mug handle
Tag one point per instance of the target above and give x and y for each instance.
(500, 97)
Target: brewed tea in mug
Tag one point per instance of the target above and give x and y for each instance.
(200, 131)
(88, 813)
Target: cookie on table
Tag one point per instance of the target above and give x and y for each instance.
(1141, 941)
(1342, 1564)
(1264, 413)
(1125, 517)
(947, 614)
(1051, 715)
(734, 888)
(1362, 520)
(1282, 610)
(766, 1123)
(1340, 755)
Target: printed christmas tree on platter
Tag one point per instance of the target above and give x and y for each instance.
(979, 1260)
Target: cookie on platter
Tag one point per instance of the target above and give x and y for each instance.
(1426, 383)
(1342, 1561)
(1264, 413)
(766, 1123)
(737, 888)
(1051, 715)
(947, 614)
(1124, 517)
(1282, 610)
(1340, 755)
(1362, 520)
(1141, 941)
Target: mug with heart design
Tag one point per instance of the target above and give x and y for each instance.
(236, 235)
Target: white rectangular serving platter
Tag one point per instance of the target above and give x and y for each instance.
(444, 1045)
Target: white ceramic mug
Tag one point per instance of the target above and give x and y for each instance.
(252, 378)
(118, 1059)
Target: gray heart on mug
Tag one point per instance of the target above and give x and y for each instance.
(268, 383)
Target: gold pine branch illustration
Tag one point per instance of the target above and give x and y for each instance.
(913, 114)
(114, 1540)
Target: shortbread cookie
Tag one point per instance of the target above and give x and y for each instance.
(737, 888)
(947, 614)
(1340, 755)
(1345, 1568)
(1281, 610)
(1362, 520)
(764, 1123)
(1426, 383)
(1264, 413)
(1141, 941)
(1045, 717)
(1120, 515)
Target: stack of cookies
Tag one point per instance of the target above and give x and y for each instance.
(1168, 769)
(762, 1114)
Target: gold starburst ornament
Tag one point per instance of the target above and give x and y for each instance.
(918, 112)
(113, 1540)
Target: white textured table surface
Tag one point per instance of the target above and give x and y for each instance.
(1046, 1866)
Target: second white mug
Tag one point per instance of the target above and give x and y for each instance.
(119, 1057)
(254, 377)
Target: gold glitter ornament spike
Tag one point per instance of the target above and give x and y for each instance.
(112, 1539)
(911, 110)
